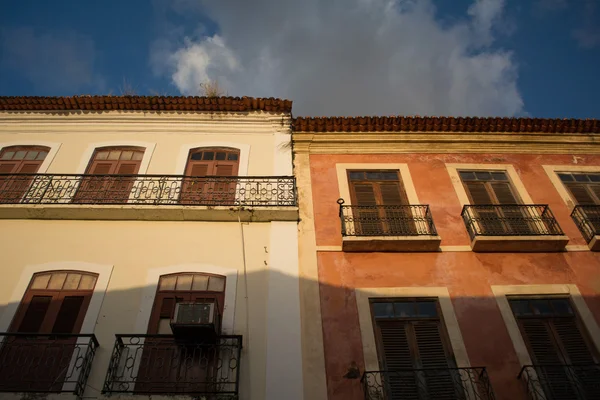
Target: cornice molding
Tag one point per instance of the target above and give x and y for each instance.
(442, 142)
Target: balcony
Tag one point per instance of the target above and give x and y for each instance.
(388, 228)
(562, 382)
(587, 219)
(162, 364)
(45, 363)
(177, 197)
(513, 228)
(428, 384)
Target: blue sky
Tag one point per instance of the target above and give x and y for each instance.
(537, 58)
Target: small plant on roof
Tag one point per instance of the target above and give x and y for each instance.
(211, 89)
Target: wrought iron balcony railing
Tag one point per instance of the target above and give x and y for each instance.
(401, 220)
(428, 384)
(562, 382)
(155, 364)
(252, 191)
(45, 363)
(510, 220)
(587, 219)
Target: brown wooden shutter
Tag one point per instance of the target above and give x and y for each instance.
(429, 342)
(35, 314)
(391, 194)
(478, 193)
(395, 345)
(224, 170)
(68, 314)
(199, 170)
(128, 168)
(7, 167)
(543, 348)
(572, 341)
(365, 195)
(580, 193)
(503, 192)
(101, 168)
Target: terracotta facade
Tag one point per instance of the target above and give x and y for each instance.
(468, 276)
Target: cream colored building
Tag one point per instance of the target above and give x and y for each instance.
(84, 252)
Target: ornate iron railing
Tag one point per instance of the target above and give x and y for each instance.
(155, 364)
(428, 384)
(408, 220)
(562, 382)
(587, 219)
(45, 363)
(510, 220)
(252, 191)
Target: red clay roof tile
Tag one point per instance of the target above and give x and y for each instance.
(143, 103)
(444, 124)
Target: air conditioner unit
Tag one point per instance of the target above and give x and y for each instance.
(194, 320)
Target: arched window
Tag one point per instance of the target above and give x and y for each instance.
(184, 287)
(55, 302)
(213, 161)
(115, 161)
(203, 163)
(19, 160)
(52, 311)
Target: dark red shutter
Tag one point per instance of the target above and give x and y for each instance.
(365, 195)
(478, 192)
(68, 314)
(35, 314)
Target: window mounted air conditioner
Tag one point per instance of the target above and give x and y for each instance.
(194, 320)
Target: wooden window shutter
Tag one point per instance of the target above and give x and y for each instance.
(538, 335)
(167, 307)
(581, 194)
(68, 314)
(8, 167)
(391, 195)
(395, 345)
(103, 168)
(429, 342)
(224, 170)
(35, 314)
(576, 349)
(128, 169)
(478, 193)
(199, 170)
(504, 193)
(365, 195)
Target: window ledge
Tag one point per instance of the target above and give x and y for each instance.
(391, 243)
(519, 244)
(147, 213)
(594, 244)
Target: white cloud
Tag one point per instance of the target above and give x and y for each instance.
(58, 61)
(350, 57)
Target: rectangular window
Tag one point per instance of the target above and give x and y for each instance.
(414, 348)
(555, 338)
(380, 203)
(583, 187)
(488, 187)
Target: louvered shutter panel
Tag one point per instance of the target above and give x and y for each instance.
(503, 193)
(35, 314)
(478, 192)
(365, 195)
(224, 170)
(102, 168)
(596, 190)
(391, 195)
(167, 307)
(8, 167)
(199, 170)
(366, 218)
(68, 314)
(434, 360)
(128, 168)
(546, 356)
(401, 381)
(580, 193)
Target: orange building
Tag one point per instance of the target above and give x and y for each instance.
(449, 258)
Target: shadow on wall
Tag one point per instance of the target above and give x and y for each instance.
(468, 331)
